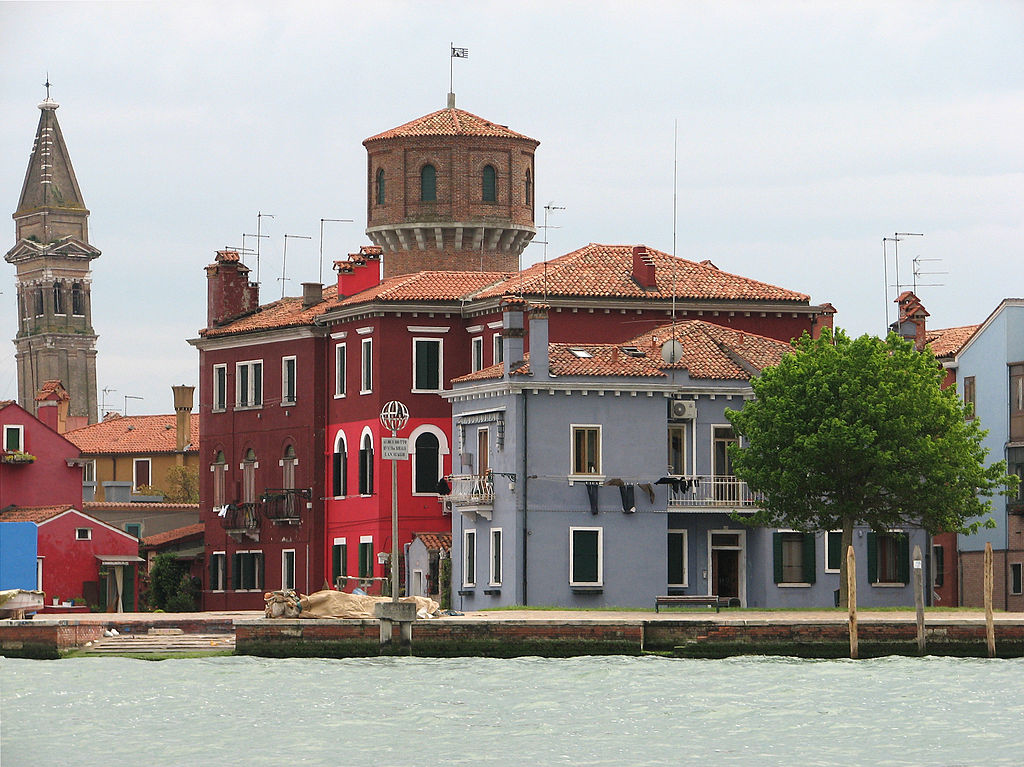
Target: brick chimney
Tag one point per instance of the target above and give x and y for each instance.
(229, 294)
(912, 322)
(359, 271)
(52, 403)
(183, 400)
(312, 294)
(643, 267)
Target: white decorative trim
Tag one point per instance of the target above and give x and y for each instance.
(364, 331)
(474, 328)
(427, 328)
(340, 335)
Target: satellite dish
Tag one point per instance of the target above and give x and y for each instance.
(671, 351)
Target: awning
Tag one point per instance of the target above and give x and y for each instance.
(118, 559)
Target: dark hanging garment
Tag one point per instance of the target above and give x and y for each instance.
(443, 488)
(592, 496)
(614, 482)
(628, 499)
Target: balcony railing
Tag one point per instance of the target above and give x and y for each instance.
(240, 517)
(471, 489)
(285, 504)
(714, 491)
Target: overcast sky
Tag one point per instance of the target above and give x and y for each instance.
(807, 132)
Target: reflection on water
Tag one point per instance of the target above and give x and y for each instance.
(473, 711)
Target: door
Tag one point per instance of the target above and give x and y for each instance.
(726, 487)
(726, 576)
(725, 566)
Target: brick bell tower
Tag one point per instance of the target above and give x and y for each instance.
(450, 191)
(52, 256)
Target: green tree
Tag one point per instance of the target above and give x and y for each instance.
(170, 586)
(182, 485)
(847, 432)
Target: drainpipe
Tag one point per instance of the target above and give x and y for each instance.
(525, 504)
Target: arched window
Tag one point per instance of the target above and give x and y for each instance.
(58, 298)
(427, 466)
(219, 468)
(380, 186)
(366, 466)
(428, 183)
(288, 462)
(490, 184)
(339, 467)
(77, 299)
(528, 190)
(249, 477)
(39, 302)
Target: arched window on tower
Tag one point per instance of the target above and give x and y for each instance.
(427, 466)
(528, 196)
(38, 300)
(380, 186)
(428, 183)
(77, 299)
(58, 298)
(490, 184)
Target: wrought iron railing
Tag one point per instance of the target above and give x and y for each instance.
(471, 489)
(716, 490)
(284, 504)
(240, 516)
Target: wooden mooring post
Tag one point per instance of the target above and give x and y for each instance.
(919, 598)
(851, 598)
(990, 629)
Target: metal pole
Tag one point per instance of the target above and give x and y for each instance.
(394, 526)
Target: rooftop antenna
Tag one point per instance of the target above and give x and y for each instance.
(284, 260)
(103, 400)
(259, 228)
(128, 397)
(895, 240)
(918, 273)
(457, 53)
(675, 215)
(320, 269)
(258, 238)
(547, 209)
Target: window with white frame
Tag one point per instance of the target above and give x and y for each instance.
(249, 384)
(477, 348)
(218, 571)
(141, 473)
(14, 438)
(39, 574)
(288, 380)
(793, 557)
(834, 551)
(340, 370)
(677, 570)
(339, 562)
(366, 376)
(339, 466)
(586, 560)
(677, 449)
(426, 464)
(427, 364)
(247, 571)
(83, 533)
(495, 559)
(366, 562)
(220, 387)
(469, 557)
(89, 471)
(366, 466)
(586, 449)
(219, 469)
(498, 351)
(249, 466)
(288, 569)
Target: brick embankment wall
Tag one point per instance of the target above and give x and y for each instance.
(44, 639)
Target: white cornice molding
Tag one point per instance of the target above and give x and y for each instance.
(239, 340)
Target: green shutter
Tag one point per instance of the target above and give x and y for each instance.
(585, 556)
(335, 564)
(236, 571)
(903, 563)
(214, 560)
(872, 558)
(675, 558)
(777, 556)
(809, 558)
(489, 184)
(834, 547)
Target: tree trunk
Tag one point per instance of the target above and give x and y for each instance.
(847, 541)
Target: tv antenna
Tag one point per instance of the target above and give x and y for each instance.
(919, 273)
(284, 259)
(895, 240)
(103, 400)
(259, 236)
(547, 209)
(128, 397)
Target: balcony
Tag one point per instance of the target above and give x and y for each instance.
(718, 492)
(285, 505)
(240, 519)
(472, 494)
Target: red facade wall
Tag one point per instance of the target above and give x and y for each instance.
(48, 481)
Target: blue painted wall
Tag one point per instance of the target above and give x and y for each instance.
(18, 555)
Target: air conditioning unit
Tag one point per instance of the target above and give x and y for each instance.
(683, 410)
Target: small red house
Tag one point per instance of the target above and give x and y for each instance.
(80, 556)
(38, 467)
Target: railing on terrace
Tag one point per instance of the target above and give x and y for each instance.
(471, 489)
(240, 516)
(711, 491)
(284, 504)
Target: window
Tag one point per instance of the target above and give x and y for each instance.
(1017, 402)
(288, 381)
(288, 463)
(1015, 578)
(39, 302)
(586, 449)
(428, 183)
(380, 187)
(585, 556)
(970, 395)
(834, 551)
(249, 384)
(39, 574)
(288, 569)
(888, 558)
(340, 371)
(58, 298)
(938, 566)
(77, 299)
(249, 466)
(498, 350)
(426, 464)
(366, 556)
(366, 466)
(490, 184)
(219, 469)
(247, 571)
(220, 387)
(339, 563)
(483, 451)
(141, 473)
(725, 484)
(339, 467)
(83, 533)
(469, 557)
(677, 449)
(426, 371)
(218, 571)
(677, 558)
(478, 352)
(89, 471)
(14, 438)
(794, 557)
(366, 382)
(133, 528)
(495, 579)
(528, 188)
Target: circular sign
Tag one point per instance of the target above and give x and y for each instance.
(394, 416)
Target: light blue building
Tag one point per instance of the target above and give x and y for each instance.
(990, 374)
(18, 555)
(597, 475)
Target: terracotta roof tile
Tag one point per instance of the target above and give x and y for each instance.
(428, 286)
(283, 313)
(449, 122)
(435, 541)
(53, 387)
(178, 534)
(35, 514)
(101, 506)
(949, 341)
(133, 434)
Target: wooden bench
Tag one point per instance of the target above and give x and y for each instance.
(690, 600)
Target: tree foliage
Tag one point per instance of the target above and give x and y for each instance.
(859, 432)
(170, 586)
(182, 485)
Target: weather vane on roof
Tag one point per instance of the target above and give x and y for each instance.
(47, 84)
(457, 53)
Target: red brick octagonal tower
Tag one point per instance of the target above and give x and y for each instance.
(450, 191)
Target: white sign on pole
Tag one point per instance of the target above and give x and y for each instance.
(394, 448)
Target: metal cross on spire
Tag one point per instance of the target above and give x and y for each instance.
(47, 84)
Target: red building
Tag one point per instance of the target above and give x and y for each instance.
(294, 489)
(38, 467)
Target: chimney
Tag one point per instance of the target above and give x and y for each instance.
(512, 332)
(359, 271)
(229, 294)
(539, 341)
(52, 403)
(312, 294)
(912, 321)
(183, 399)
(643, 267)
